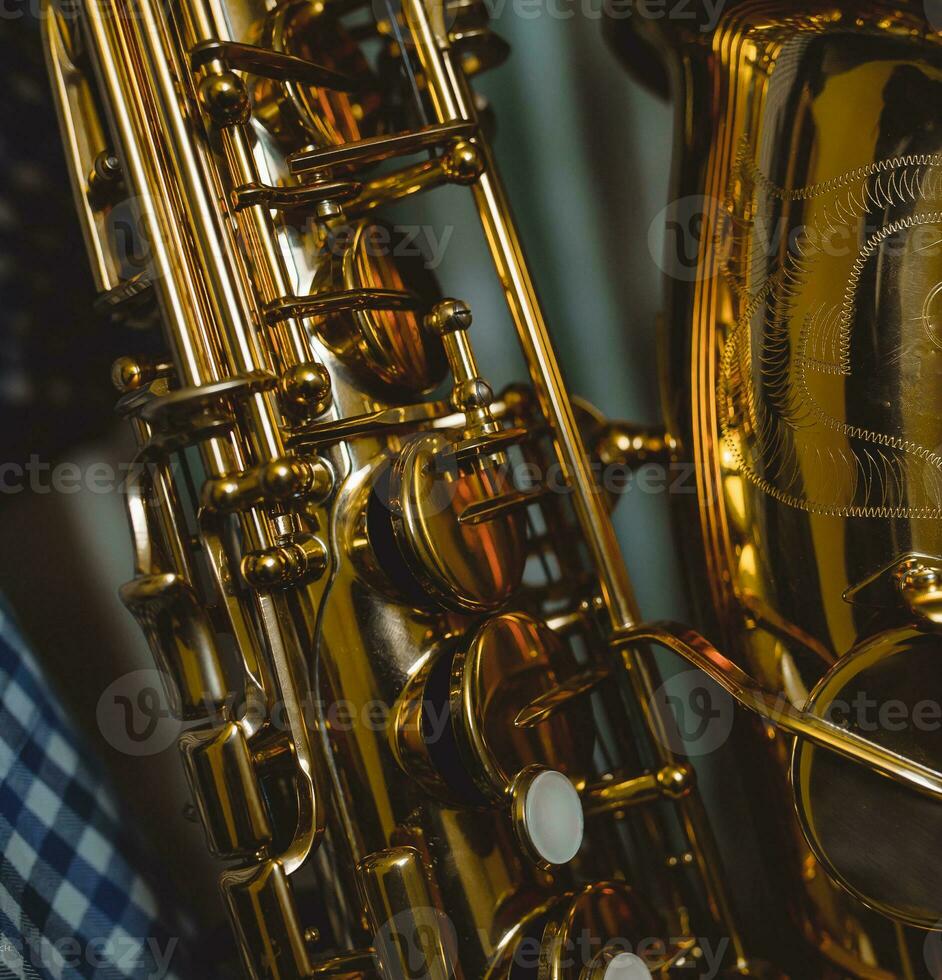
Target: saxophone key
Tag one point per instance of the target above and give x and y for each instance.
(222, 774)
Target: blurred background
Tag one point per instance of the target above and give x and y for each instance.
(585, 155)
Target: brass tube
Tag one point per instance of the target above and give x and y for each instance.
(401, 905)
(452, 101)
(448, 91)
(671, 782)
(224, 288)
(609, 797)
(176, 279)
(396, 187)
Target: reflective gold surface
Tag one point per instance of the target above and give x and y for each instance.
(383, 345)
(466, 566)
(803, 381)
(397, 892)
(852, 817)
(510, 660)
(351, 600)
(411, 641)
(594, 912)
(318, 114)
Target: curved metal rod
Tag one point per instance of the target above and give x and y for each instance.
(310, 779)
(341, 301)
(277, 65)
(778, 710)
(259, 689)
(136, 489)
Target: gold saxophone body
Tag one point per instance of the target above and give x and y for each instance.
(424, 730)
(803, 380)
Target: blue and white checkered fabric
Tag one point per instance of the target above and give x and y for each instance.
(71, 903)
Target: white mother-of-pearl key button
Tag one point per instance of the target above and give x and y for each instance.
(626, 966)
(552, 822)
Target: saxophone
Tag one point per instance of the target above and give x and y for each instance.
(425, 731)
